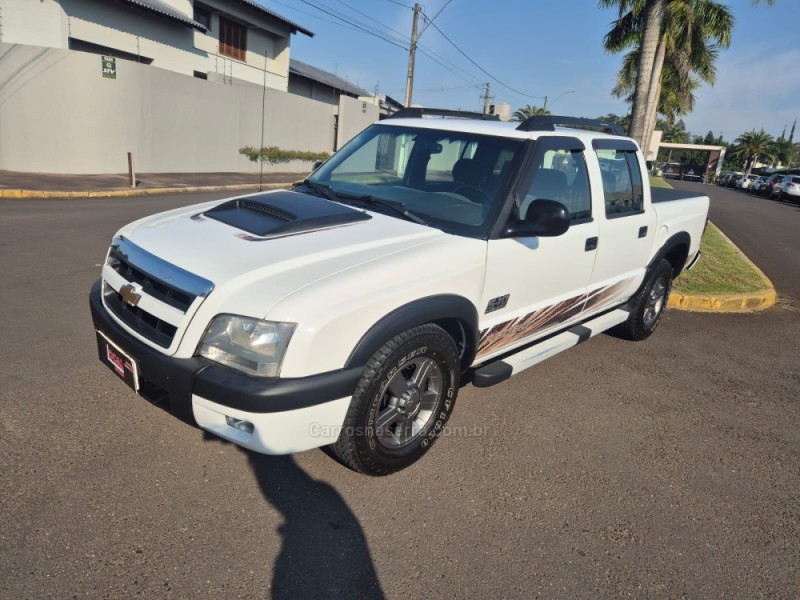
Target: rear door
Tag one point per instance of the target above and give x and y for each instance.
(627, 223)
(535, 285)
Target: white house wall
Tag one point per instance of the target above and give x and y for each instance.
(354, 116)
(58, 114)
(272, 36)
(35, 23)
(168, 44)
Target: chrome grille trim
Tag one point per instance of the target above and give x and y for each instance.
(159, 271)
(167, 290)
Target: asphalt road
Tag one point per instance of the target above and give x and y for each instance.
(769, 230)
(668, 468)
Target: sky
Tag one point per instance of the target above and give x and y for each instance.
(528, 49)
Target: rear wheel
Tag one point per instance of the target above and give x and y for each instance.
(649, 304)
(402, 402)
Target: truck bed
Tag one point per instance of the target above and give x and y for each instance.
(667, 195)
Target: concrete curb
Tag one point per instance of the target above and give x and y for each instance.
(129, 193)
(733, 303)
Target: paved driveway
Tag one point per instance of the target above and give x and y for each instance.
(768, 230)
(669, 468)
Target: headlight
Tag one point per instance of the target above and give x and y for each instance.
(248, 345)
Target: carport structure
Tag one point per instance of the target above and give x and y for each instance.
(713, 166)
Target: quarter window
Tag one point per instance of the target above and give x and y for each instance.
(622, 182)
(232, 39)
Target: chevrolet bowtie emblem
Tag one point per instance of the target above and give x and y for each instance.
(129, 294)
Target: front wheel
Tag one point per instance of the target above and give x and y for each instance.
(648, 304)
(402, 402)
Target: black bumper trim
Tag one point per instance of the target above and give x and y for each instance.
(180, 377)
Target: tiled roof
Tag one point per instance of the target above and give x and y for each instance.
(294, 26)
(164, 9)
(303, 70)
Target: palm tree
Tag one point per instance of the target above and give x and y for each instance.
(640, 20)
(653, 27)
(781, 152)
(528, 111)
(691, 32)
(753, 146)
(676, 96)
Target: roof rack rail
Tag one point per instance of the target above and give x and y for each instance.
(417, 113)
(549, 122)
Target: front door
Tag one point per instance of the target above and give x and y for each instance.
(535, 285)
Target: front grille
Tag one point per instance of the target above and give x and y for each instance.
(163, 288)
(151, 286)
(150, 326)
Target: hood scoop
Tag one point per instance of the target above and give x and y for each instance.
(278, 214)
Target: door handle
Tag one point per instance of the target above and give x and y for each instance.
(591, 244)
(643, 231)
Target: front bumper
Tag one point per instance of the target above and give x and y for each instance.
(288, 415)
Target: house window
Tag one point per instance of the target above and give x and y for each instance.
(202, 15)
(232, 39)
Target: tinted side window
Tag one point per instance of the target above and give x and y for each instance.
(622, 182)
(561, 176)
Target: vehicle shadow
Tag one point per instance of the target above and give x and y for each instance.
(324, 552)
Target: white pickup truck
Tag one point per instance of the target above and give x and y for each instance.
(426, 253)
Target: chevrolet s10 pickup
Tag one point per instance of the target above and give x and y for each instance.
(436, 248)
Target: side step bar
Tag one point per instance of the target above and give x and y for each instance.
(500, 370)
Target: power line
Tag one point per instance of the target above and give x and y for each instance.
(400, 4)
(426, 52)
(449, 65)
(374, 20)
(430, 21)
(389, 34)
(363, 29)
(315, 16)
(464, 54)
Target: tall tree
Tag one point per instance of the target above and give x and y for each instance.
(751, 147)
(690, 33)
(529, 111)
(780, 152)
(644, 19)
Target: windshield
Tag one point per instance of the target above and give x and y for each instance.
(451, 180)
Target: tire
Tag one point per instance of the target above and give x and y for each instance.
(648, 304)
(402, 401)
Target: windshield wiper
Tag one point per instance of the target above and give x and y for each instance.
(321, 188)
(397, 207)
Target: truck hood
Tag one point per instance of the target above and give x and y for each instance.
(290, 238)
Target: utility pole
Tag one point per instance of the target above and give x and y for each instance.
(544, 108)
(412, 52)
(486, 98)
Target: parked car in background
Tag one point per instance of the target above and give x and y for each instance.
(775, 192)
(758, 183)
(766, 190)
(733, 182)
(727, 178)
(745, 180)
(789, 188)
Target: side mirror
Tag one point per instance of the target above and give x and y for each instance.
(545, 218)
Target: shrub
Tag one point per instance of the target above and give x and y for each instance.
(274, 155)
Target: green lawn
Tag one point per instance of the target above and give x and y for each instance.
(658, 182)
(721, 269)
